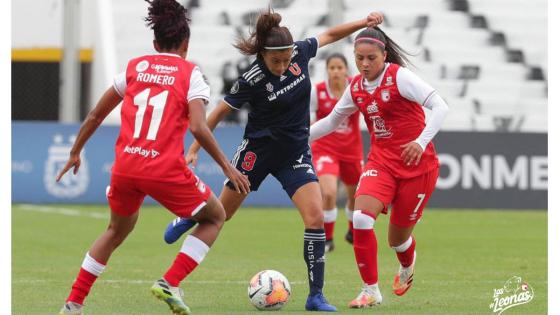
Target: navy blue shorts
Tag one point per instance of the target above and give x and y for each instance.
(289, 163)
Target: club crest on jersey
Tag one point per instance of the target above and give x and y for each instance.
(372, 108)
(355, 88)
(142, 66)
(295, 69)
(385, 95)
(234, 88)
(389, 81)
(269, 87)
(379, 128)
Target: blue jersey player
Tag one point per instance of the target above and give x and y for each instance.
(276, 87)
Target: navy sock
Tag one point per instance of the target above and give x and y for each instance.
(314, 255)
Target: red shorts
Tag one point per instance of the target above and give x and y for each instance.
(348, 171)
(184, 198)
(408, 196)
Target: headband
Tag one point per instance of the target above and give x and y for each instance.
(278, 47)
(370, 39)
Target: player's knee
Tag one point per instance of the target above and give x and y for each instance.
(314, 219)
(329, 198)
(363, 220)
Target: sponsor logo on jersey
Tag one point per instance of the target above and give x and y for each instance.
(359, 99)
(70, 185)
(141, 151)
(379, 127)
(288, 87)
(142, 66)
(385, 95)
(234, 88)
(372, 108)
(282, 78)
(257, 78)
(322, 95)
(164, 68)
(269, 87)
(389, 81)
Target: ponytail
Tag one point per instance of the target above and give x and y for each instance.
(268, 35)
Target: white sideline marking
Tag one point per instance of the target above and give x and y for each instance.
(63, 211)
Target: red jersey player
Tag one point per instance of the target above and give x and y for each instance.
(340, 153)
(402, 166)
(163, 95)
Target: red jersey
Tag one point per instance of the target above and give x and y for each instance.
(345, 142)
(154, 119)
(392, 121)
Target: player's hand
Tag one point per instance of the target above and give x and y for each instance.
(374, 19)
(73, 161)
(411, 153)
(191, 158)
(239, 181)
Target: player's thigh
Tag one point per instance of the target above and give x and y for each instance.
(124, 196)
(231, 201)
(184, 198)
(411, 198)
(350, 172)
(350, 193)
(377, 182)
(307, 200)
(253, 158)
(369, 204)
(213, 211)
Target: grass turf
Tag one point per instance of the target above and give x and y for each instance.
(462, 256)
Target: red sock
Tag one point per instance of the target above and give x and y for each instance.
(365, 250)
(406, 258)
(90, 270)
(329, 230)
(81, 286)
(181, 268)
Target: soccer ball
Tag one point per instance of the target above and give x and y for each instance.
(269, 290)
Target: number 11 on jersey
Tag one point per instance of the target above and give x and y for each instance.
(142, 100)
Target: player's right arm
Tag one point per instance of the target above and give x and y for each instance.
(203, 135)
(343, 108)
(106, 104)
(217, 115)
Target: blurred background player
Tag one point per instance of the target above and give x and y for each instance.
(338, 155)
(163, 95)
(277, 87)
(402, 166)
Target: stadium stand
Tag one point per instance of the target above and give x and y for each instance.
(487, 58)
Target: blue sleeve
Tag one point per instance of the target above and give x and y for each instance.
(239, 94)
(308, 47)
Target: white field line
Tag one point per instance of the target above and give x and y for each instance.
(63, 211)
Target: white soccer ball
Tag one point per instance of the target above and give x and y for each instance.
(269, 290)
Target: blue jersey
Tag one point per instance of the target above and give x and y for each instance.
(278, 106)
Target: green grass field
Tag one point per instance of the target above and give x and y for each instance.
(462, 256)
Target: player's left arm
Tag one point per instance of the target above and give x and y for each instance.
(106, 104)
(417, 90)
(338, 32)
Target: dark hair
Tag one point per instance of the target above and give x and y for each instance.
(395, 53)
(267, 32)
(169, 21)
(339, 56)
